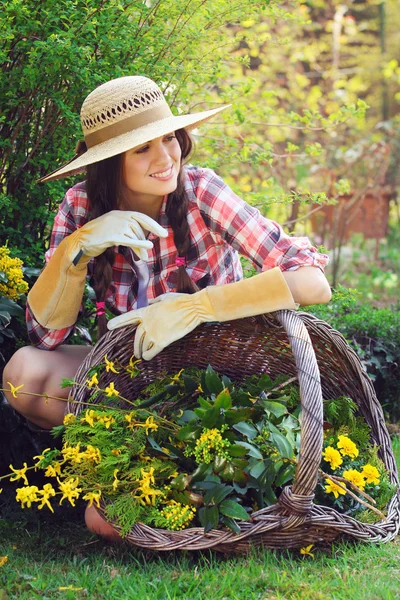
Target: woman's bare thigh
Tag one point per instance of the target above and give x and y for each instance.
(41, 373)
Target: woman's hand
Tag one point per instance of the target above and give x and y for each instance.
(115, 228)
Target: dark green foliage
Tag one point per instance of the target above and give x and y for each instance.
(374, 333)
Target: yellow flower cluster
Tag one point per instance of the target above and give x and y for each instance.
(346, 448)
(209, 445)
(14, 284)
(147, 493)
(177, 515)
(74, 454)
(91, 417)
(31, 493)
(149, 424)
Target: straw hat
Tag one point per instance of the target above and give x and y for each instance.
(122, 114)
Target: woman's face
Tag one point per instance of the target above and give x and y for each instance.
(151, 171)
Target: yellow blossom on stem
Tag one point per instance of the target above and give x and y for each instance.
(47, 492)
(89, 417)
(355, 477)
(53, 470)
(347, 446)
(107, 421)
(132, 369)
(69, 489)
(71, 452)
(92, 453)
(129, 417)
(110, 365)
(3, 560)
(42, 456)
(94, 380)
(116, 480)
(20, 474)
(111, 391)
(69, 418)
(176, 377)
(334, 488)
(333, 457)
(371, 474)
(14, 389)
(93, 497)
(178, 516)
(306, 551)
(27, 495)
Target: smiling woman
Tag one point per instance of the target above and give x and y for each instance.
(145, 227)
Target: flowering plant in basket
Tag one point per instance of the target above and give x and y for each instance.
(197, 449)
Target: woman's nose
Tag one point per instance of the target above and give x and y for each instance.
(161, 153)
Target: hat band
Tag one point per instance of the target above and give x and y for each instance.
(133, 122)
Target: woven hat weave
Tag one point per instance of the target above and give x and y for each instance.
(123, 114)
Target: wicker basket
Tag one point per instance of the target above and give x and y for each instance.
(285, 342)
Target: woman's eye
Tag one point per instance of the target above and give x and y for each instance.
(141, 150)
(169, 138)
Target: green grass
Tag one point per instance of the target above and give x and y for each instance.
(46, 553)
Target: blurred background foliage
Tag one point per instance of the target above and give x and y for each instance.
(313, 132)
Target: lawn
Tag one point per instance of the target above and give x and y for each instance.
(53, 556)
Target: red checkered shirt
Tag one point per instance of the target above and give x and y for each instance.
(222, 226)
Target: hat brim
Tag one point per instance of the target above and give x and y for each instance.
(132, 139)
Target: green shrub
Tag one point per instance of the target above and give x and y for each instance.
(374, 333)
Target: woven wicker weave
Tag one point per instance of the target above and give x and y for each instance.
(286, 342)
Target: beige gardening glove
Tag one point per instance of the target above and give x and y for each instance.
(171, 319)
(57, 294)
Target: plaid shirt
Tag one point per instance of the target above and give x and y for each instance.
(222, 226)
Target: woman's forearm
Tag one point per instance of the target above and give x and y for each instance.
(308, 285)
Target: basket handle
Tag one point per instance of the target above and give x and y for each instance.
(312, 411)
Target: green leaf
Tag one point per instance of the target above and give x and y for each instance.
(202, 470)
(8, 305)
(252, 450)
(232, 509)
(211, 417)
(208, 517)
(189, 432)
(65, 383)
(237, 451)
(223, 400)
(213, 382)
(204, 403)
(285, 474)
(276, 408)
(246, 429)
(235, 416)
(190, 384)
(240, 477)
(282, 444)
(231, 524)
(218, 493)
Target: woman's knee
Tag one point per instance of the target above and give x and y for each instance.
(25, 369)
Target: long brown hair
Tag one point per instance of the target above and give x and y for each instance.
(104, 190)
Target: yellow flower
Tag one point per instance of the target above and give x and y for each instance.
(20, 473)
(150, 424)
(3, 560)
(334, 488)
(89, 417)
(178, 516)
(132, 369)
(53, 470)
(371, 474)
(92, 453)
(14, 389)
(27, 495)
(332, 456)
(93, 497)
(110, 365)
(306, 551)
(111, 391)
(107, 420)
(355, 477)
(47, 492)
(93, 381)
(71, 452)
(13, 285)
(69, 418)
(41, 457)
(347, 446)
(69, 489)
(116, 480)
(175, 378)
(129, 417)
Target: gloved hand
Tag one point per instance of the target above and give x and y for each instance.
(57, 294)
(169, 320)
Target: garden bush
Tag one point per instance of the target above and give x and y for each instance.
(374, 333)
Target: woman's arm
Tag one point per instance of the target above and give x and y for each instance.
(308, 285)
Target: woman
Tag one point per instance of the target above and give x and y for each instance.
(144, 226)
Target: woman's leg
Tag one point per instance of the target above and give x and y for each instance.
(97, 524)
(41, 372)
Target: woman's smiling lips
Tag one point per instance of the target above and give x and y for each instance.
(164, 175)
